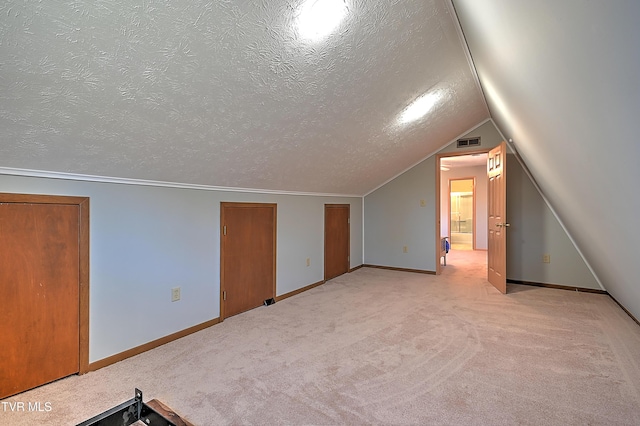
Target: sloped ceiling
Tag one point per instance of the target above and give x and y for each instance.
(228, 93)
(562, 81)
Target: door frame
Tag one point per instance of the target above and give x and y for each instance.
(438, 233)
(473, 201)
(223, 204)
(83, 264)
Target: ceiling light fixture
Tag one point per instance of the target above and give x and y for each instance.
(420, 107)
(318, 18)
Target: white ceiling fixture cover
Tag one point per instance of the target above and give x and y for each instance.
(318, 18)
(420, 107)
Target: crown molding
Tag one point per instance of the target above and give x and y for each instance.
(141, 182)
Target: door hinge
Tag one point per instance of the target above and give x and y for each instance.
(224, 230)
(348, 258)
(224, 295)
(349, 220)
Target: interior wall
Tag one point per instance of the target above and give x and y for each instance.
(394, 218)
(144, 240)
(535, 231)
(480, 175)
(561, 80)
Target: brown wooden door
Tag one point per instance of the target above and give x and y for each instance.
(336, 240)
(39, 282)
(497, 210)
(248, 256)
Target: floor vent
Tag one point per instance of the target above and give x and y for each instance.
(464, 143)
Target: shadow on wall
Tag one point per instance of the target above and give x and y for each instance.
(538, 248)
(524, 236)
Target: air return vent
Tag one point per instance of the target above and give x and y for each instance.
(463, 143)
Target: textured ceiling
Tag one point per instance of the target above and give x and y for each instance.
(226, 93)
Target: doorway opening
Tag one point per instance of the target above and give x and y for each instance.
(462, 213)
(461, 205)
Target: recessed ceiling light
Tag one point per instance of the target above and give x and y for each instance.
(318, 18)
(419, 108)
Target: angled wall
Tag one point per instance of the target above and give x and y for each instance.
(561, 81)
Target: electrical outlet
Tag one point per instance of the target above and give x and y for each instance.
(405, 249)
(308, 261)
(546, 258)
(175, 294)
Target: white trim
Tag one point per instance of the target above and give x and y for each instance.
(429, 155)
(142, 182)
(467, 53)
(513, 149)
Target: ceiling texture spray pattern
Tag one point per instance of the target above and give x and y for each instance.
(228, 93)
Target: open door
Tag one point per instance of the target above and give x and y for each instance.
(497, 211)
(444, 164)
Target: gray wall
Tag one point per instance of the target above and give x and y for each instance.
(561, 80)
(394, 218)
(147, 239)
(535, 231)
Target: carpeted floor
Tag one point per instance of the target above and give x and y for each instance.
(386, 348)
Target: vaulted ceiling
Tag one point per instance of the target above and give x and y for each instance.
(241, 94)
(231, 93)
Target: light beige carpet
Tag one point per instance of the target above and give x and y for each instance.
(386, 348)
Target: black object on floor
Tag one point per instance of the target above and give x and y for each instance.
(128, 413)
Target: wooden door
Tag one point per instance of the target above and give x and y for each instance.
(248, 256)
(336, 240)
(497, 211)
(40, 287)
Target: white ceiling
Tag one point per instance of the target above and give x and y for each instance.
(227, 93)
